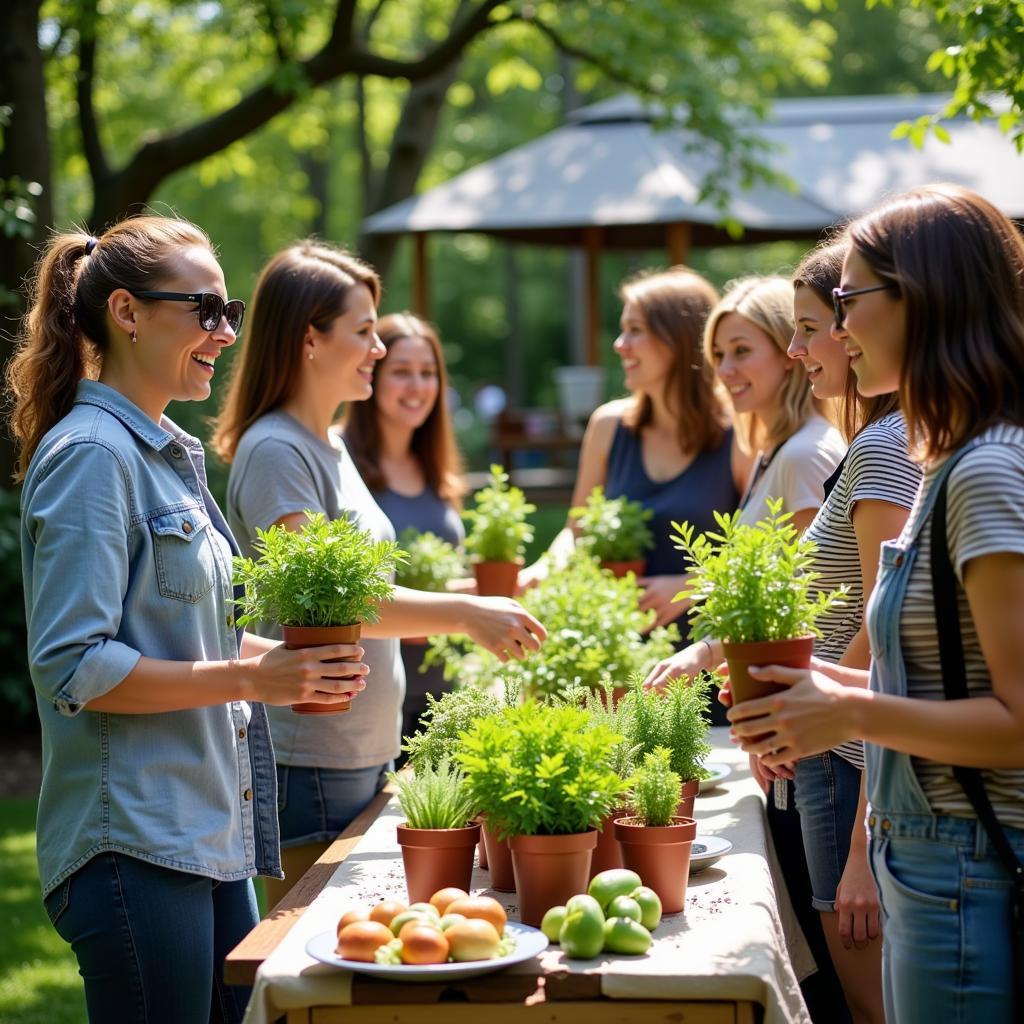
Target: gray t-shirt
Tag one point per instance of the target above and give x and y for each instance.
(282, 468)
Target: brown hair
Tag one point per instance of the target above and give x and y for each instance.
(308, 283)
(433, 442)
(958, 263)
(821, 270)
(64, 334)
(674, 304)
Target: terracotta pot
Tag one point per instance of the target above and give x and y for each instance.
(497, 579)
(436, 858)
(637, 566)
(415, 641)
(550, 870)
(296, 637)
(687, 796)
(791, 653)
(499, 861)
(660, 855)
(607, 854)
(481, 847)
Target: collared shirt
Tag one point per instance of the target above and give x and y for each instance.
(125, 553)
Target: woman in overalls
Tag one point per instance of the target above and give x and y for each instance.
(932, 299)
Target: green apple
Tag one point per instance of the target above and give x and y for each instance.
(624, 935)
(606, 885)
(552, 923)
(650, 906)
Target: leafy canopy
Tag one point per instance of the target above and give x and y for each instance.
(499, 531)
(430, 561)
(613, 529)
(655, 793)
(434, 797)
(752, 583)
(330, 573)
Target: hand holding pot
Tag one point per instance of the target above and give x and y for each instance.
(283, 677)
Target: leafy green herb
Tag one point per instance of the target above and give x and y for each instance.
(752, 582)
(431, 563)
(499, 531)
(330, 573)
(541, 769)
(613, 529)
(655, 793)
(445, 721)
(434, 797)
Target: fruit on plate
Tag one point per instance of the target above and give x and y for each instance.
(582, 933)
(427, 909)
(409, 915)
(472, 939)
(449, 919)
(552, 923)
(423, 944)
(443, 897)
(624, 935)
(606, 885)
(360, 940)
(356, 914)
(386, 910)
(624, 906)
(482, 907)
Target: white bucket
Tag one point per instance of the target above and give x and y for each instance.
(580, 390)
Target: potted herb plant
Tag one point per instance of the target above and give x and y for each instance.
(545, 781)
(438, 837)
(498, 534)
(614, 531)
(750, 588)
(656, 842)
(320, 584)
(430, 563)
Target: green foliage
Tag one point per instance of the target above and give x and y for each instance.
(446, 720)
(613, 529)
(595, 635)
(434, 797)
(499, 531)
(541, 769)
(752, 582)
(604, 712)
(330, 573)
(431, 562)
(655, 793)
(16, 694)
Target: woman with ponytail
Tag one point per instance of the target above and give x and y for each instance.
(158, 800)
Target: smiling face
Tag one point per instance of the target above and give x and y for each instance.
(818, 344)
(406, 383)
(750, 366)
(876, 329)
(345, 352)
(646, 359)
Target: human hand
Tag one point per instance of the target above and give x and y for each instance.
(531, 575)
(280, 676)
(857, 902)
(504, 627)
(687, 662)
(658, 595)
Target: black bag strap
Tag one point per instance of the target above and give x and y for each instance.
(954, 683)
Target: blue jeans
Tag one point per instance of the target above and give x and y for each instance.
(827, 790)
(315, 804)
(151, 941)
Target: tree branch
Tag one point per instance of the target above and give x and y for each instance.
(92, 145)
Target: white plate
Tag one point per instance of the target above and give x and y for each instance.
(706, 850)
(529, 942)
(719, 772)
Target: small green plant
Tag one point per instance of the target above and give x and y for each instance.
(613, 529)
(541, 769)
(595, 635)
(604, 712)
(655, 792)
(434, 797)
(431, 561)
(330, 573)
(498, 527)
(751, 583)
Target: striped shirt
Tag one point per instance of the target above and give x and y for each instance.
(985, 515)
(877, 467)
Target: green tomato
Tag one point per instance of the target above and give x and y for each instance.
(426, 908)
(650, 906)
(406, 916)
(624, 935)
(604, 887)
(582, 933)
(552, 923)
(585, 903)
(625, 906)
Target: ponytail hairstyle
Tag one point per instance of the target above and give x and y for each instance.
(821, 270)
(433, 442)
(310, 282)
(65, 332)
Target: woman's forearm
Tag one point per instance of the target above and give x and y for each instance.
(419, 612)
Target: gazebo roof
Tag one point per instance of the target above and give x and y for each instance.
(611, 168)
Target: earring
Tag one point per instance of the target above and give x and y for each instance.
(133, 337)
(309, 355)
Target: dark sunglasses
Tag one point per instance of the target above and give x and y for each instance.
(211, 307)
(839, 298)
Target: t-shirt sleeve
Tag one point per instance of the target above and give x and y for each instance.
(801, 481)
(985, 504)
(277, 481)
(879, 468)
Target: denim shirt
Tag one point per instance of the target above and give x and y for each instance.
(124, 554)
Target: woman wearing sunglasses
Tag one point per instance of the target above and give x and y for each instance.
(312, 345)
(157, 805)
(932, 300)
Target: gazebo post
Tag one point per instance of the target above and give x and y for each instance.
(420, 296)
(678, 238)
(592, 238)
